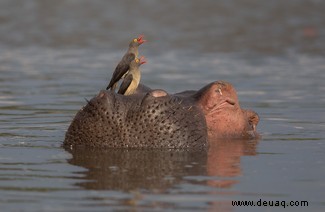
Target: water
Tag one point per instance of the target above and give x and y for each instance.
(55, 54)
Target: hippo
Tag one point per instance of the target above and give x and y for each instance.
(156, 119)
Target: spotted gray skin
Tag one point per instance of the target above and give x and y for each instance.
(144, 120)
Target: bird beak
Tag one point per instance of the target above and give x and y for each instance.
(142, 60)
(140, 39)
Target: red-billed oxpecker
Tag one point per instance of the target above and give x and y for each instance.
(132, 77)
(123, 66)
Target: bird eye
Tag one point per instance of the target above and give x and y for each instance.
(137, 60)
(135, 40)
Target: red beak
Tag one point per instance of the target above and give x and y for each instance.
(140, 39)
(142, 60)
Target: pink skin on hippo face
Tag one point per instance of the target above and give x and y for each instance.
(156, 119)
(223, 114)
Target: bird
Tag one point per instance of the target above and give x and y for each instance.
(123, 66)
(132, 78)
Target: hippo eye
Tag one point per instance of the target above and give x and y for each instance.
(135, 40)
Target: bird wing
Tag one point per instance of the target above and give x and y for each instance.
(125, 84)
(121, 69)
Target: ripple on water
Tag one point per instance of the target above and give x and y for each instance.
(55, 54)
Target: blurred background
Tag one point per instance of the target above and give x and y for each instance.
(269, 27)
(53, 54)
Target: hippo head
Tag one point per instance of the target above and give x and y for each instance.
(156, 119)
(224, 116)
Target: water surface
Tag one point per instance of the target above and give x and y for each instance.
(55, 54)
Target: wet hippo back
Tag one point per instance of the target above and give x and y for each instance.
(154, 120)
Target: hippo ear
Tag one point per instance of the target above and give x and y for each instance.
(252, 118)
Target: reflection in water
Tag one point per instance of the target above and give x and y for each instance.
(124, 169)
(224, 160)
(55, 53)
(132, 169)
